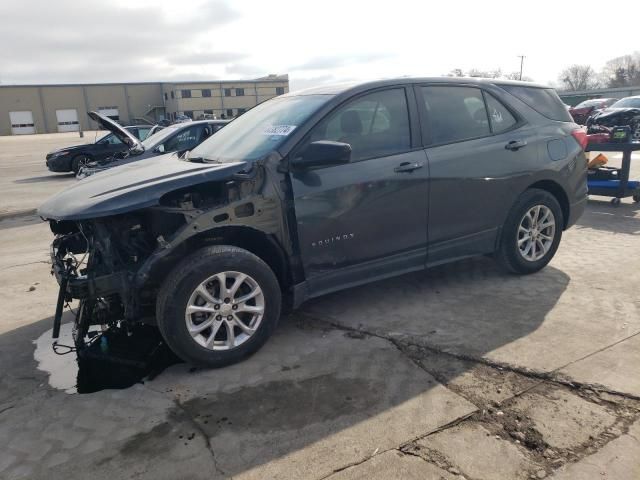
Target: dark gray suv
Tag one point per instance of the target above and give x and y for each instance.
(313, 192)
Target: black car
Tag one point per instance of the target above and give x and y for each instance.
(625, 112)
(71, 159)
(312, 192)
(177, 138)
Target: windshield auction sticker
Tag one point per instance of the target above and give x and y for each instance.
(278, 130)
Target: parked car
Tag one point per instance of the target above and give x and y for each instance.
(583, 110)
(312, 192)
(182, 119)
(71, 159)
(177, 138)
(624, 112)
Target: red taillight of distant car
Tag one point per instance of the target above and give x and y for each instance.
(581, 137)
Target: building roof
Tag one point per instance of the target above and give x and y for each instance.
(267, 79)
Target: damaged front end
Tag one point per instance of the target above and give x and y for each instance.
(117, 240)
(95, 262)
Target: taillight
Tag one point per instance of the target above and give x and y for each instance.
(581, 137)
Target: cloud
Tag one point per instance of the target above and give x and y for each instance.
(204, 58)
(96, 41)
(338, 61)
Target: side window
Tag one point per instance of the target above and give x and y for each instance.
(186, 139)
(143, 133)
(501, 119)
(454, 113)
(375, 125)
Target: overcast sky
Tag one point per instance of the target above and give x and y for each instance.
(68, 41)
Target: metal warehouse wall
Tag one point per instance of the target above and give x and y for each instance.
(133, 100)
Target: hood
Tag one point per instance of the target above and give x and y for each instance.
(123, 135)
(132, 186)
(613, 116)
(67, 149)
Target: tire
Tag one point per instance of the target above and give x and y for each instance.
(78, 161)
(209, 348)
(512, 253)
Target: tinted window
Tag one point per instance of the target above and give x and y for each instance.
(110, 139)
(454, 113)
(187, 138)
(143, 133)
(375, 125)
(501, 119)
(543, 100)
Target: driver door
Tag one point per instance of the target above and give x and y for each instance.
(368, 218)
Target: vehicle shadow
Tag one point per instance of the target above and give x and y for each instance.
(46, 178)
(316, 398)
(21, 221)
(601, 215)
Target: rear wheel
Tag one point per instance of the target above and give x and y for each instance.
(78, 162)
(531, 233)
(218, 306)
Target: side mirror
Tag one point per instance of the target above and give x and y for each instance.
(160, 148)
(323, 153)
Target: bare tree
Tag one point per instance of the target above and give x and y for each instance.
(579, 77)
(622, 71)
(516, 76)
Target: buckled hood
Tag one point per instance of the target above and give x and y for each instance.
(123, 135)
(132, 187)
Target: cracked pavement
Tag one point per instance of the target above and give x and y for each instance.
(458, 372)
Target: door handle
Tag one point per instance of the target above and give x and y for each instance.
(408, 167)
(515, 145)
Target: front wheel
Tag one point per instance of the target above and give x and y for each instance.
(531, 233)
(218, 306)
(78, 162)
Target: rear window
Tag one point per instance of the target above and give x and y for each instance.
(543, 100)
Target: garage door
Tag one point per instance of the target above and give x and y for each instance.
(68, 120)
(111, 112)
(22, 123)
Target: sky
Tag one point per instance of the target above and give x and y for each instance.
(77, 41)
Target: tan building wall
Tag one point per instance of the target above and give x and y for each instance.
(133, 100)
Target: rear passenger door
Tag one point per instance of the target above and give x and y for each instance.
(475, 148)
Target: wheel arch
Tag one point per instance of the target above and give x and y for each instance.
(263, 245)
(555, 189)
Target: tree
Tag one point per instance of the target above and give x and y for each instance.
(622, 71)
(516, 76)
(579, 77)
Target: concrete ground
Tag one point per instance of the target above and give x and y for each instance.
(476, 374)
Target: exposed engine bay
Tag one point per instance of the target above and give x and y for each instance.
(114, 265)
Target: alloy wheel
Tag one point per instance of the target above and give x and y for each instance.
(225, 310)
(536, 232)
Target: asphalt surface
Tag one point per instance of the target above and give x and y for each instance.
(462, 371)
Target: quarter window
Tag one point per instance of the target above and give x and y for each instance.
(375, 125)
(501, 119)
(454, 114)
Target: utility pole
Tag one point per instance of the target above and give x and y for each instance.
(521, 63)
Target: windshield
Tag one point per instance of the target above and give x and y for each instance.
(260, 130)
(159, 137)
(630, 102)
